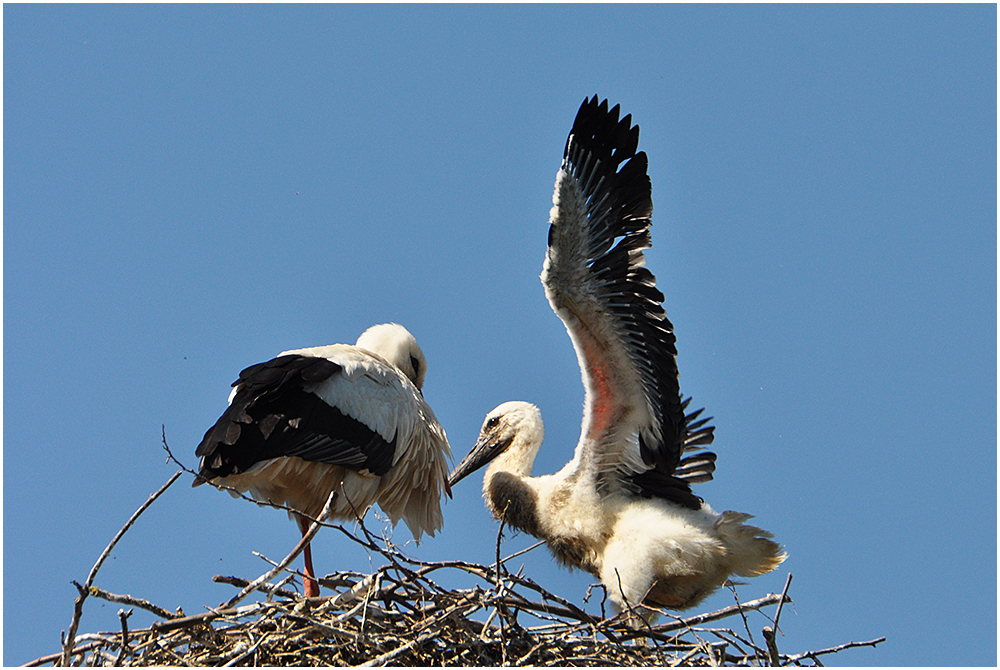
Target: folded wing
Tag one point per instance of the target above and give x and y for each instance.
(275, 411)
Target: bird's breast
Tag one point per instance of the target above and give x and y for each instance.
(512, 501)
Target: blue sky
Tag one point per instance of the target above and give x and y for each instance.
(192, 189)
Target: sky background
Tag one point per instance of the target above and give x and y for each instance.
(192, 189)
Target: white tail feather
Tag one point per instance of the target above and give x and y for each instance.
(749, 549)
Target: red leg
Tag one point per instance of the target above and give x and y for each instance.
(310, 583)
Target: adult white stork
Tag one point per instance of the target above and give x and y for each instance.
(349, 419)
(622, 508)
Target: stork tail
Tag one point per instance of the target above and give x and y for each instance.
(750, 550)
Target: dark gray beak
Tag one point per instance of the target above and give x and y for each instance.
(487, 448)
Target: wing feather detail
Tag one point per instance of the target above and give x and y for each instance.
(275, 411)
(596, 281)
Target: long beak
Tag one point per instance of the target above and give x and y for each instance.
(487, 448)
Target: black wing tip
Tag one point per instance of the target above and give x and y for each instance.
(599, 130)
(601, 155)
(673, 470)
(697, 431)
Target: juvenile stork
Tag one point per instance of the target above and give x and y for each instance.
(622, 509)
(349, 419)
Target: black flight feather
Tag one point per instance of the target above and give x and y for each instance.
(272, 415)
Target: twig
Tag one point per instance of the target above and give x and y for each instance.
(306, 539)
(269, 589)
(52, 658)
(171, 653)
(723, 613)
(123, 615)
(125, 599)
(781, 603)
(388, 656)
(746, 624)
(523, 551)
(205, 617)
(834, 650)
(229, 489)
(772, 647)
(70, 638)
(688, 656)
(499, 567)
(249, 652)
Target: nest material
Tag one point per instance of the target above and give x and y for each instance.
(395, 617)
(399, 615)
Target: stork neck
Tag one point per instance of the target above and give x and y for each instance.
(517, 460)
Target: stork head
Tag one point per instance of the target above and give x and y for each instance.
(395, 344)
(514, 429)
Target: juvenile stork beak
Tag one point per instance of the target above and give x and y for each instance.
(489, 445)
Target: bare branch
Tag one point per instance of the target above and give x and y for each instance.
(270, 589)
(70, 639)
(123, 616)
(772, 647)
(723, 613)
(125, 599)
(781, 603)
(833, 650)
(303, 543)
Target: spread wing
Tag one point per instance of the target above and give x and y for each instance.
(274, 412)
(635, 430)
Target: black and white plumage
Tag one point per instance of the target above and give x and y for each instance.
(345, 418)
(622, 508)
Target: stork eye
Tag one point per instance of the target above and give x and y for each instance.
(415, 364)
(492, 422)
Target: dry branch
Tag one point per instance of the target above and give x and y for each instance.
(69, 640)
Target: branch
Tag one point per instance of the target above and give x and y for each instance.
(205, 617)
(125, 599)
(772, 647)
(70, 638)
(834, 650)
(123, 616)
(249, 652)
(229, 489)
(746, 624)
(239, 582)
(388, 656)
(303, 543)
(732, 610)
(784, 592)
(53, 658)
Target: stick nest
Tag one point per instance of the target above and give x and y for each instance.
(402, 615)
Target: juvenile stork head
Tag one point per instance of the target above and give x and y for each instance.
(512, 433)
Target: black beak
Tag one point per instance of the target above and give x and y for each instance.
(487, 448)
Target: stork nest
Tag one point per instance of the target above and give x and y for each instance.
(399, 615)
